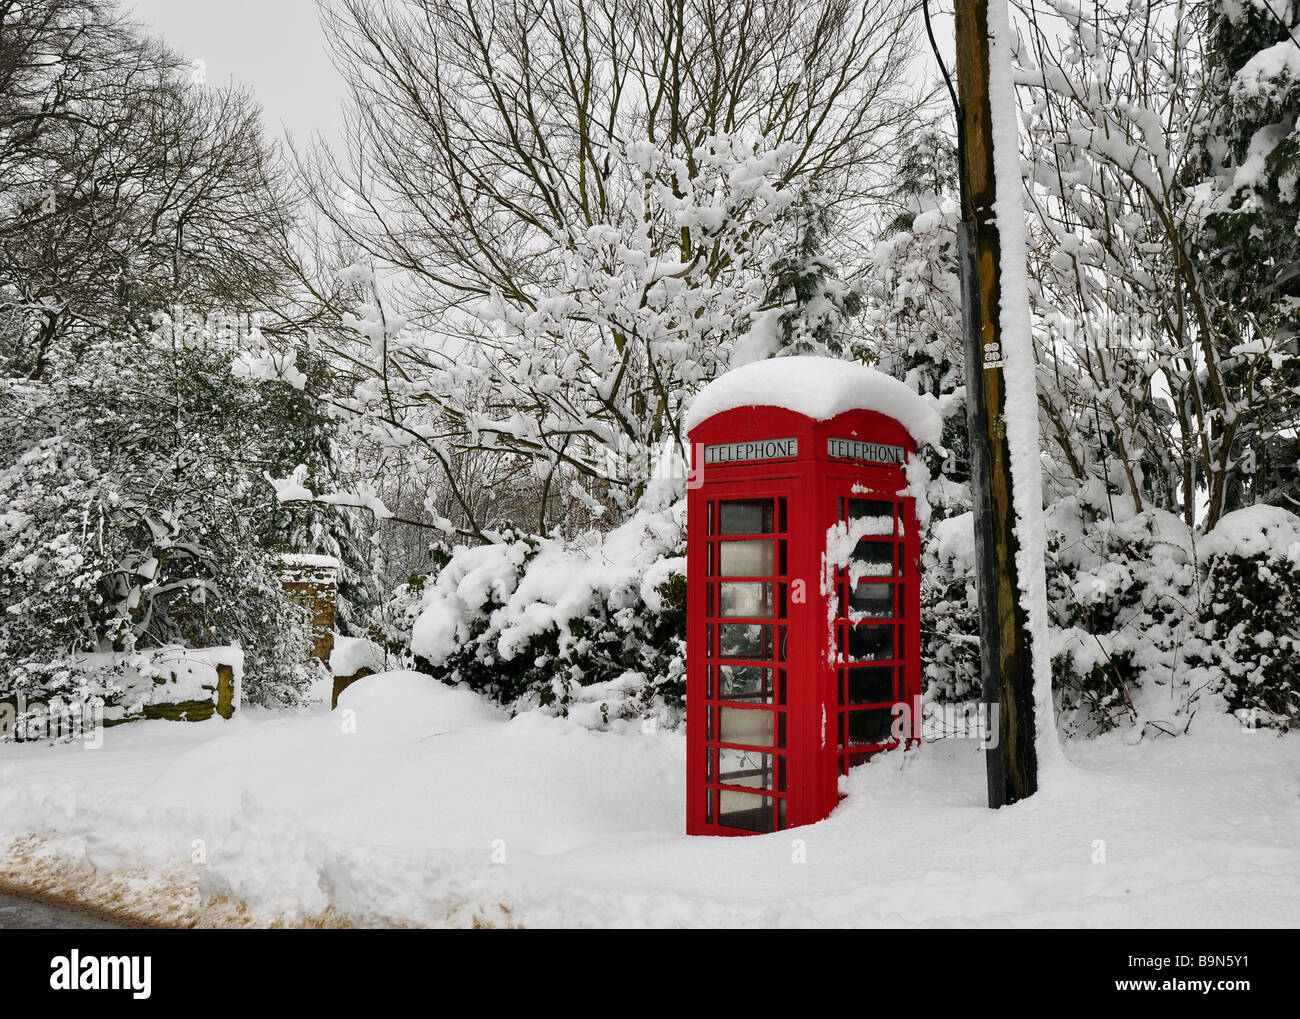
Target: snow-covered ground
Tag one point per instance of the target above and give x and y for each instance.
(419, 804)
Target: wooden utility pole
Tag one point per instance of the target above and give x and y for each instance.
(1006, 663)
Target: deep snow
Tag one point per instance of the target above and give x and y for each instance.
(439, 809)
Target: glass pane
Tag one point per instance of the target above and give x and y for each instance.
(746, 811)
(748, 558)
(871, 643)
(880, 513)
(744, 683)
(871, 686)
(860, 508)
(871, 559)
(870, 727)
(741, 599)
(745, 767)
(752, 727)
(875, 600)
(745, 640)
(746, 516)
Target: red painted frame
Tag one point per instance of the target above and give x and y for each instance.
(812, 484)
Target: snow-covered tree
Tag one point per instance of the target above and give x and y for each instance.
(578, 207)
(914, 288)
(136, 516)
(815, 309)
(1154, 386)
(1249, 241)
(127, 185)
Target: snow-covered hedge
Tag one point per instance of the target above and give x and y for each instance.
(950, 610)
(1149, 623)
(1123, 595)
(1251, 616)
(594, 626)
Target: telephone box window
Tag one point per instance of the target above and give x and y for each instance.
(746, 598)
(869, 727)
(747, 558)
(744, 683)
(751, 768)
(873, 558)
(748, 726)
(745, 640)
(879, 513)
(745, 811)
(871, 643)
(747, 516)
(871, 686)
(872, 599)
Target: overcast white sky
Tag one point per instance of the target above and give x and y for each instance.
(274, 46)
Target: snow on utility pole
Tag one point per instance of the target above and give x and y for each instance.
(1006, 663)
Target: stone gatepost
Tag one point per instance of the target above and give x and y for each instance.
(312, 581)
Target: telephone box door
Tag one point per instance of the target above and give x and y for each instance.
(876, 611)
(739, 770)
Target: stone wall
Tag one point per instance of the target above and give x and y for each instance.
(220, 703)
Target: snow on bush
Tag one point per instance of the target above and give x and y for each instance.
(1251, 617)
(1123, 597)
(592, 627)
(950, 657)
(1149, 624)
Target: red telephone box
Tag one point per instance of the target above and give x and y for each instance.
(803, 595)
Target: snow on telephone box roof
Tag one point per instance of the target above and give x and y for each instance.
(818, 388)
